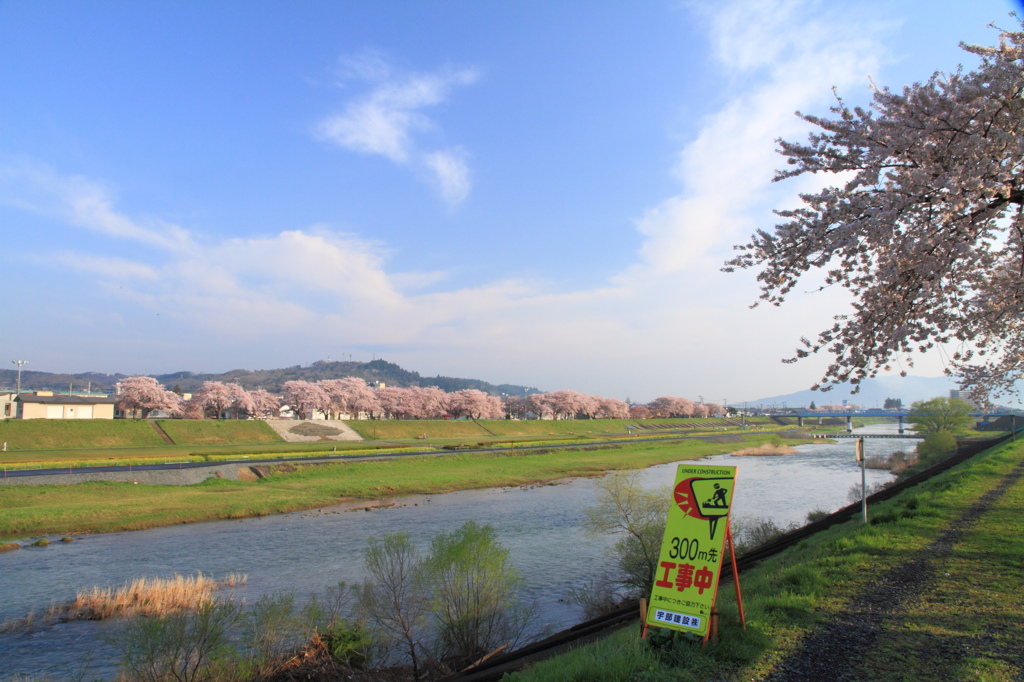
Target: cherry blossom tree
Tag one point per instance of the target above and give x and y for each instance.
(242, 405)
(263, 404)
(610, 408)
(517, 407)
(669, 406)
(215, 398)
(639, 412)
(494, 408)
(924, 224)
(304, 398)
(565, 404)
(351, 396)
(540, 404)
(138, 396)
(472, 403)
(395, 402)
(714, 409)
(430, 402)
(586, 406)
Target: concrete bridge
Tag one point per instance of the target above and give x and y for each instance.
(899, 415)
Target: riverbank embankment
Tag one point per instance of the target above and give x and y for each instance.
(108, 506)
(928, 589)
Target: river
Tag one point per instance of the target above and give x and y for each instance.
(306, 551)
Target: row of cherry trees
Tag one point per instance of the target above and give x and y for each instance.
(333, 398)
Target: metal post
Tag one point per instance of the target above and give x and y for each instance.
(863, 480)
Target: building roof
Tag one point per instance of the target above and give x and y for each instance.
(65, 399)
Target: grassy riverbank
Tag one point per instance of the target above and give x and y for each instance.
(960, 615)
(28, 511)
(530, 429)
(60, 444)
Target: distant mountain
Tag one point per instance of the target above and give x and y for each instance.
(387, 373)
(873, 393)
(47, 381)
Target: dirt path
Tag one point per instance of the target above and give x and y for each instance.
(838, 650)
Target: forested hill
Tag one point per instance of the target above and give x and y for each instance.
(382, 371)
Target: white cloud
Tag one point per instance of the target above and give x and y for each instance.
(779, 58)
(82, 202)
(386, 121)
(452, 174)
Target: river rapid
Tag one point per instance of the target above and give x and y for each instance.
(303, 552)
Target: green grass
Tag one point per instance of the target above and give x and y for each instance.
(27, 511)
(218, 431)
(44, 434)
(59, 444)
(107, 456)
(400, 429)
(26, 438)
(966, 624)
(404, 429)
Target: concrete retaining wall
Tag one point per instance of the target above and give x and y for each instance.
(158, 477)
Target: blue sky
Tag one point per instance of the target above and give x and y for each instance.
(528, 192)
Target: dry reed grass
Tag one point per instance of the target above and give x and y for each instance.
(144, 597)
(765, 450)
(22, 624)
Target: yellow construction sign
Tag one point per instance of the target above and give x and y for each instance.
(691, 553)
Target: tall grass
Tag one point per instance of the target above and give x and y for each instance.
(765, 450)
(144, 597)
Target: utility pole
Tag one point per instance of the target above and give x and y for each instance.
(19, 363)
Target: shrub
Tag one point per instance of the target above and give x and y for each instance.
(272, 627)
(816, 515)
(188, 645)
(855, 493)
(348, 643)
(637, 516)
(597, 596)
(936, 446)
(474, 595)
(750, 534)
(393, 599)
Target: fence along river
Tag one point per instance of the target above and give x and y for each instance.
(303, 552)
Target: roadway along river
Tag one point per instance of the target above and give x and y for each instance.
(307, 551)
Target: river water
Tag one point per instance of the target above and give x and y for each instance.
(306, 551)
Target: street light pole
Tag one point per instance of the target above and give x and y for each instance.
(19, 363)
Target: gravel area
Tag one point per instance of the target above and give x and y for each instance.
(830, 652)
(310, 430)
